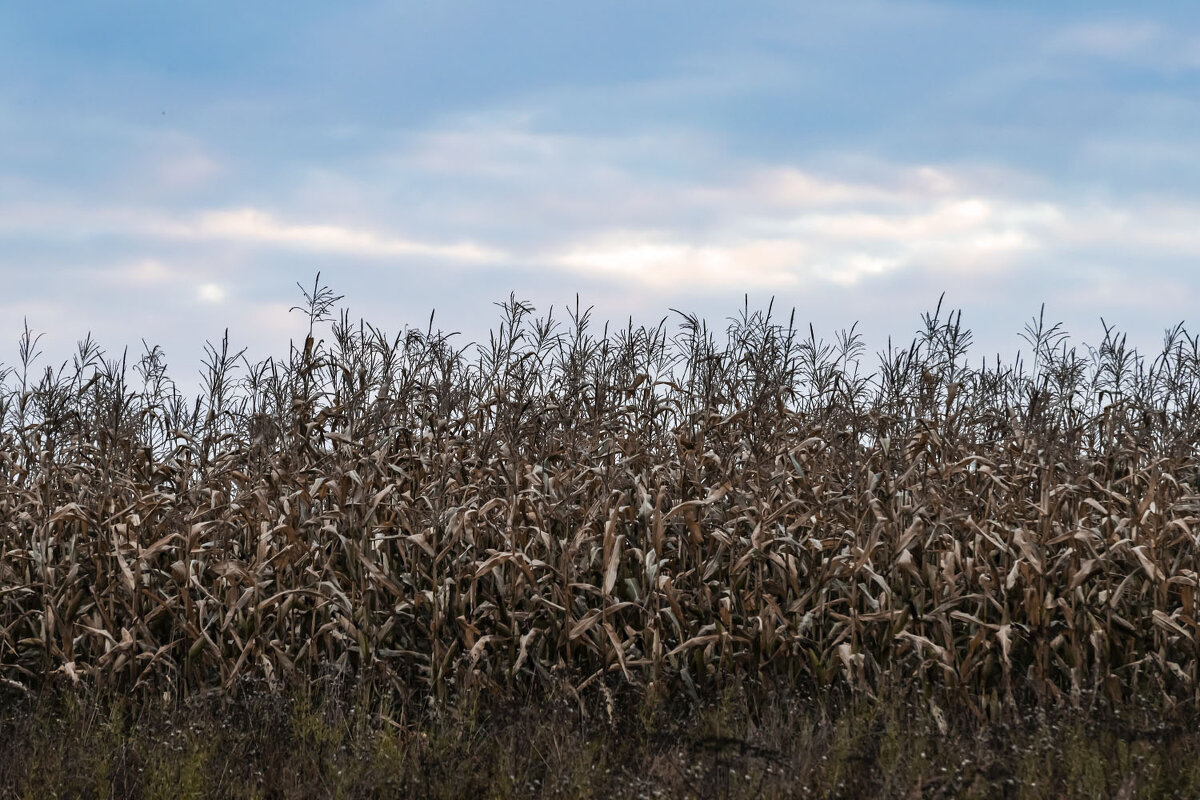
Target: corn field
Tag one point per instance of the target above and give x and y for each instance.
(671, 507)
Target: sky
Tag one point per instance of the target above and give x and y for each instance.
(170, 170)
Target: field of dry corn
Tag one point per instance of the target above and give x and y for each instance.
(672, 508)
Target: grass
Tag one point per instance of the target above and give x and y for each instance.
(648, 513)
(266, 745)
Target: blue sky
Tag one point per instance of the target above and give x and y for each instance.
(171, 169)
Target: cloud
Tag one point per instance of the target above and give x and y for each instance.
(829, 245)
(145, 273)
(245, 225)
(665, 264)
(779, 227)
(785, 186)
(657, 213)
(652, 212)
(256, 226)
(210, 292)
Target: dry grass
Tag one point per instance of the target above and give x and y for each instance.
(651, 507)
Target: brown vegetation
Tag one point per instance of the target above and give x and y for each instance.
(652, 508)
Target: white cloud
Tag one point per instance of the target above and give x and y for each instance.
(634, 258)
(785, 227)
(586, 206)
(254, 225)
(789, 187)
(652, 212)
(246, 224)
(211, 292)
